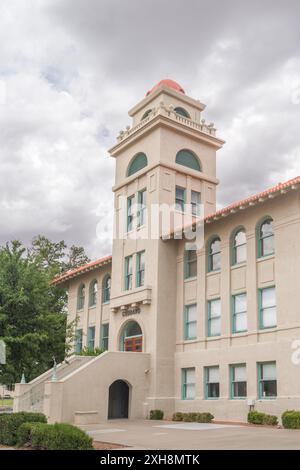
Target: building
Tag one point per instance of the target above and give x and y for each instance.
(215, 328)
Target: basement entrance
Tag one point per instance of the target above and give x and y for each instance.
(118, 400)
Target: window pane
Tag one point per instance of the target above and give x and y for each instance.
(190, 375)
(213, 390)
(239, 373)
(268, 297)
(241, 322)
(269, 317)
(215, 308)
(269, 388)
(191, 312)
(190, 391)
(215, 326)
(240, 303)
(241, 253)
(268, 246)
(240, 238)
(191, 330)
(213, 374)
(269, 371)
(240, 389)
(215, 246)
(216, 261)
(266, 229)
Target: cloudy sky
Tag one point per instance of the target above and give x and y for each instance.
(71, 69)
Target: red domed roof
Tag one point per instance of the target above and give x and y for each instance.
(169, 83)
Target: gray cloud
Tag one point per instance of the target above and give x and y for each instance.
(71, 69)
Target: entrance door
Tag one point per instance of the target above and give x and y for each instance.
(118, 400)
(133, 344)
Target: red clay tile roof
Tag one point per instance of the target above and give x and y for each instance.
(169, 83)
(280, 188)
(85, 268)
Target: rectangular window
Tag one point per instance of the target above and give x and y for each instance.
(91, 338)
(238, 381)
(140, 268)
(239, 314)
(195, 203)
(267, 381)
(267, 307)
(190, 259)
(188, 383)
(104, 335)
(190, 322)
(130, 215)
(142, 207)
(214, 317)
(212, 382)
(180, 199)
(78, 341)
(128, 273)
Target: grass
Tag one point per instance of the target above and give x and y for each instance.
(6, 403)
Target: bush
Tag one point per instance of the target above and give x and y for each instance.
(255, 417)
(91, 352)
(177, 416)
(291, 419)
(204, 417)
(59, 436)
(10, 423)
(156, 414)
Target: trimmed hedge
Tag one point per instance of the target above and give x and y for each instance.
(10, 423)
(256, 417)
(291, 419)
(156, 414)
(58, 436)
(204, 417)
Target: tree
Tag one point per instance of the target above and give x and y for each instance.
(33, 319)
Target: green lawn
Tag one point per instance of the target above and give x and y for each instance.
(7, 403)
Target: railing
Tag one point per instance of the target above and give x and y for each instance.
(170, 113)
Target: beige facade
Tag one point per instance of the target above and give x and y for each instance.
(189, 356)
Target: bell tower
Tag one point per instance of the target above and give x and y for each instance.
(167, 156)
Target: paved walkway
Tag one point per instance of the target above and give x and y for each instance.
(145, 434)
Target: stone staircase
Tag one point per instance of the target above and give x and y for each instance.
(30, 396)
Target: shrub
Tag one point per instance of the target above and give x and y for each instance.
(91, 352)
(59, 436)
(255, 417)
(177, 416)
(156, 414)
(204, 417)
(10, 423)
(291, 419)
(190, 417)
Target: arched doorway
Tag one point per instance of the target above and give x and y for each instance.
(118, 400)
(131, 339)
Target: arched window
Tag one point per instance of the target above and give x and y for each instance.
(146, 114)
(93, 293)
(183, 112)
(106, 288)
(131, 337)
(189, 159)
(138, 162)
(80, 297)
(239, 247)
(266, 238)
(214, 254)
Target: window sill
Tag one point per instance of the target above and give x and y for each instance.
(242, 332)
(266, 257)
(106, 303)
(238, 398)
(266, 398)
(211, 273)
(91, 307)
(211, 398)
(264, 328)
(189, 340)
(189, 279)
(238, 265)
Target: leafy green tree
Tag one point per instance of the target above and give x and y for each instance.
(33, 320)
